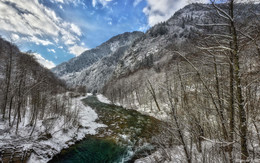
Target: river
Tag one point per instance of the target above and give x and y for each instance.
(128, 136)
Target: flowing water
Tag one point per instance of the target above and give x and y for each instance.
(127, 137)
(92, 150)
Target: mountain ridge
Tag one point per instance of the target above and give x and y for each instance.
(89, 57)
(149, 50)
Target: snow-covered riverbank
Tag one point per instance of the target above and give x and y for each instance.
(43, 148)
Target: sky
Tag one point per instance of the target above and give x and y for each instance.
(55, 31)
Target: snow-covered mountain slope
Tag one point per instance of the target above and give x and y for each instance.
(128, 52)
(96, 76)
(72, 70)
(155, 48)
(153, 58)
(152, 50)
(126, 62)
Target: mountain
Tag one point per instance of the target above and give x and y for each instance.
(128, 52)
(121, 71)
(198, 72)
(96, 76)
(153, 56)
(74, 71)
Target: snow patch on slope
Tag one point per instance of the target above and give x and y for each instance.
(61, 140)
(103, 99)
(44, 150)
(114, 46)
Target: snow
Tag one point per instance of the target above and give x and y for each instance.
(114, 46)
(91, 69)
(103, 99)
(87, 121)
(164, 114)
(175, 156)
(44, 150)
(210, 150)
(144, 109)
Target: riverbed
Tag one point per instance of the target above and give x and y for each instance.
(128, 136)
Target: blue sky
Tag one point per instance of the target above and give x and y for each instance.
(57, 30)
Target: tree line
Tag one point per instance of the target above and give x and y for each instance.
(209, 86)
(29, 91)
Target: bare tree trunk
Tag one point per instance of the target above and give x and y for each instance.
(8, 80)
(240, 99)
(220, 110)
(10, 109)
(151, 90)
(35, 122)
(231, 109)
(180, 134)
(19, 106)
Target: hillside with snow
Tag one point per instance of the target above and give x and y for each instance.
(186, 90)
(92, 66)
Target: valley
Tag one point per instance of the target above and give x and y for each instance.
(128, 136)
(185, 90)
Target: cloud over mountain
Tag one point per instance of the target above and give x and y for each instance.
(44, 62)
(33, 22)
(160, 10)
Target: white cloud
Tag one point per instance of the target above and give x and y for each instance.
(160, 10)
(33, 22)
(143, 28)
(102, 2)
(74, 2)
(44, 62)
(51, 50)
(94, 3)
(75, 29)
(136, 2)
(69, 42)
(15, 37)
(28, 17)
(38, 41)
(77, 50)
(57, 1)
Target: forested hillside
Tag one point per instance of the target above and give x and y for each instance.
(94, 67)
(206, 78)
(35, 107)
(208, 82)
(29, 94)
(199, 71)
